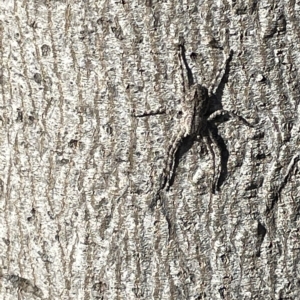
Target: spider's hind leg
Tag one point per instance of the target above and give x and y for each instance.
(220, 173)
(208, 140)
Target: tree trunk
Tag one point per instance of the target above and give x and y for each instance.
(113, 186)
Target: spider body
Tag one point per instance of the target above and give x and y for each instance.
(195, 108)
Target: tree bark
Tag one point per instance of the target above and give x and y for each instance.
(93, 96)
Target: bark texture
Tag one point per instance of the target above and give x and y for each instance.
(79, 171)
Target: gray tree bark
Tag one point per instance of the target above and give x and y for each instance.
(79, 170)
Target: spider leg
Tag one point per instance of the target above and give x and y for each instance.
(208, 140)
(223, 155)
(223, 112)
(148, 113)
(168, 166)
(170, 159)
(216, 114)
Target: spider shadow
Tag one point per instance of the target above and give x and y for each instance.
(215, 99)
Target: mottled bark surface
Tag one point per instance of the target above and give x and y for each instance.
(79, 171)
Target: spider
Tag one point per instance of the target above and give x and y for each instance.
(194, 123)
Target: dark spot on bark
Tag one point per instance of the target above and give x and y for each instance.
(37, 78)
(33, 25)
(100, 21)
(50, 214)
(63, 161)
(281, 24)
(255, 184)
(31, 119)
(258, 135)
(6, 241)
(45, 50)
(108, 129)
(73, 143)
(253, 6)
(241, 10)
(20, 115)
(193, 55)
(221, 291)
(260, 156)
